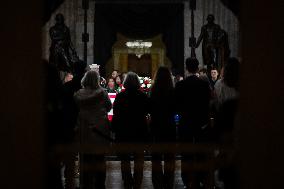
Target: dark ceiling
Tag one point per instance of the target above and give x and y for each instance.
(49, 6)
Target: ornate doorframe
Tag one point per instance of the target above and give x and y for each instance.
(120, 53)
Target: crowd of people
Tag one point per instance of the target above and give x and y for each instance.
(178, 112)
(114, 83)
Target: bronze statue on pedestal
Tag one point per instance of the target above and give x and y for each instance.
(62, 52)
(215, 46)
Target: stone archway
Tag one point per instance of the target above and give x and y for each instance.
(122, 57)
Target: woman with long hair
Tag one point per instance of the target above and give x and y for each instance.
(163, 129)
(129, 124)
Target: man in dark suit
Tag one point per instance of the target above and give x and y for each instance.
(192, 97)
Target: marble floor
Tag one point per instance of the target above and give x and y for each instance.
(114, 181)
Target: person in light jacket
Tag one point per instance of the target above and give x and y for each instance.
(93, 125)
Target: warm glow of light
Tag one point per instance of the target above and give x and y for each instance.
(139, 47)
(139, 44)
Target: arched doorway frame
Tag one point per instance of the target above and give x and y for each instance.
(120, 52)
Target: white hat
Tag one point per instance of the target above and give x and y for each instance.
(94, 66)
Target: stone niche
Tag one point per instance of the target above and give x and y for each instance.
(144, 62)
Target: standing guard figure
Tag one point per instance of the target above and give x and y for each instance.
(62, 52)
(215, 47)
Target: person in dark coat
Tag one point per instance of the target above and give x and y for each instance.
(94, 104)
(61, 116)
(68, 117)
(52, 89)
(163, 129)
(129, 124)
(192, 97)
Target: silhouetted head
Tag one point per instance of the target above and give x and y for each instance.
(91, 80)
(203, 71)
(59, 18)
(131, 81)
(163, 75)
(192, 65)
(210, 18)
(163, 83)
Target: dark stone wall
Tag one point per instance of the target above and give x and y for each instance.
(262, 95)
(21, 85)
